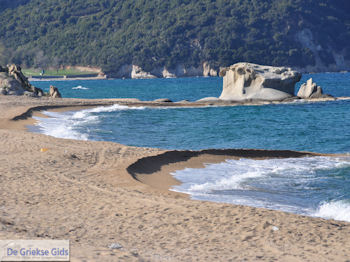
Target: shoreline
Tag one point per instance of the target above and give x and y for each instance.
(34, 79)
(155, 171)
(83, 191)
(61, 78)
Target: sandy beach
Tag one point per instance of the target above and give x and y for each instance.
(97, 194)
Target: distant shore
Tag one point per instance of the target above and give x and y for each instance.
(73, 78)
(67, 78)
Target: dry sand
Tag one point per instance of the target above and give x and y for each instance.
(87, 192)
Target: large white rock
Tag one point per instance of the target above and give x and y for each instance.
(243, 81)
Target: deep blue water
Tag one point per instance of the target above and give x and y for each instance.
(320, 127)
(175, 89)
(311, 186)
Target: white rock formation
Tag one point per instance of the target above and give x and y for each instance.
(208, 71)
(243, 81)
(310, 90)
(135, 71)
(167, 74)
(138, 73)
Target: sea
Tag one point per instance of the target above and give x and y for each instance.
(312, 186)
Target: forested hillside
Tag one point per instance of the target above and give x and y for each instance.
(158, 33)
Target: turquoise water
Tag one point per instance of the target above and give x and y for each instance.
(312, 186)
(175, 89)
(319, 127)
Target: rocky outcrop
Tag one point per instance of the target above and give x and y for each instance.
(246, 81)
(10, 86)
(21, 84)
(167, 74)
(208, 71)
(138, 73)
(13, 82)
(54, 92)
(311, 90)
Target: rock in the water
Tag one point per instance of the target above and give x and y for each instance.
(311, 90)
(243, 81)
(54, 92)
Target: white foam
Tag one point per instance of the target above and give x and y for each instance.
(281, 184)
(69, 124)
(80, 87)
(113, 108)
(233, 174)
(338, 210)
(59, 125)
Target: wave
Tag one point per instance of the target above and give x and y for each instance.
(298, 185)
(86, 113)
(338, 210)
(60, 125)
(80, 87)
(75, 124)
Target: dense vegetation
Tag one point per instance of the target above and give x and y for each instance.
(156, 33)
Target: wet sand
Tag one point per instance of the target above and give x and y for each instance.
(100, 193)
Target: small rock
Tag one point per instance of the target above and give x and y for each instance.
(73, 156)
(274, 228)
(115, 246)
